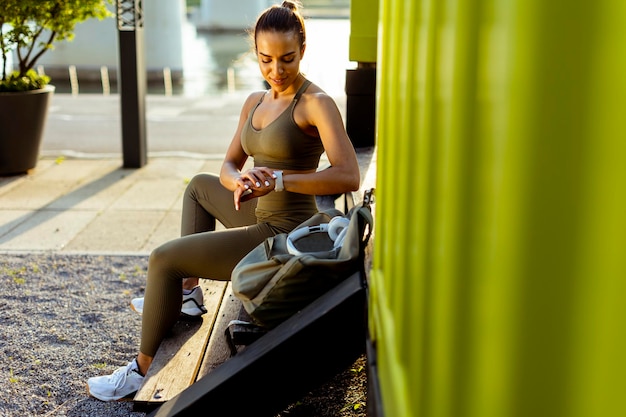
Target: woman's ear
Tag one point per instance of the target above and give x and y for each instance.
(302, 50)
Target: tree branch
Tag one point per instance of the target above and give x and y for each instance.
(4, 51)
(30, 64)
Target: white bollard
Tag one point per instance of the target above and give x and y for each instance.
(167, 81)
(73, 80)
(106, 84)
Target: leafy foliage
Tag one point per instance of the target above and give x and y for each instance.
(29, 81)
(31, 27)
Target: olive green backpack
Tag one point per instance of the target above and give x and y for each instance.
(288, 271)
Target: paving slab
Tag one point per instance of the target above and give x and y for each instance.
(166, 230)
(97, 192)
(115, 231)
(150, 195)
(46, 230)
(33, 195)
(11, 219)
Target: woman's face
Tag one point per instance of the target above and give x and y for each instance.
(279, 56)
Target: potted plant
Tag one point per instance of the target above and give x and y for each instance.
(29, 28)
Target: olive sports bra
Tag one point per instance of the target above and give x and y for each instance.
(282, 144)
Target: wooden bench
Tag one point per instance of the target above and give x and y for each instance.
(195, 348)
(192, 349)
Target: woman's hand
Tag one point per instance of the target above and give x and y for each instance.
(253, 183)
(257, 178)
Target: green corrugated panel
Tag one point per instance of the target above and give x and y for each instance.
(363, 30)
(499, 271)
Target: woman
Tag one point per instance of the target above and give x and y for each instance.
(285, 130)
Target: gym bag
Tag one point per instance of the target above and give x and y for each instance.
(288, 271)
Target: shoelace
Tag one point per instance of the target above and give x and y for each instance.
(120, 375)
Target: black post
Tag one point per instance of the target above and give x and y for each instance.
(133, 85)
(361, 105)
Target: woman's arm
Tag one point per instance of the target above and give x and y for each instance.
(343, 175)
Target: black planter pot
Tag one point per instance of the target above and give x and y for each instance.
(22, 119)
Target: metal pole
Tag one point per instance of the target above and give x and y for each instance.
(133, 84)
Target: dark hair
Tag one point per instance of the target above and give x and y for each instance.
(283, 18)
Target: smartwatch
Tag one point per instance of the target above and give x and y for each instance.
(278, 182)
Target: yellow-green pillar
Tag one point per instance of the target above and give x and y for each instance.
(361, 81)
(498, 279)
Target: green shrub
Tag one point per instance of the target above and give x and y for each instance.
(29, 81)
(31, 27)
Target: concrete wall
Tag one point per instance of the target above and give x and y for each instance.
(96, 44)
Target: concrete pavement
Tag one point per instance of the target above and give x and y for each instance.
(94, 205)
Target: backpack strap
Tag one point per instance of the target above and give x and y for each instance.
(366, 220)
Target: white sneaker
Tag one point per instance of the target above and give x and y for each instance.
(121, 383)
(193, 303)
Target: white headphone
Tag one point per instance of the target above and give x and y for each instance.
(336, 229)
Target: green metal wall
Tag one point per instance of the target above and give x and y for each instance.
(499, 279)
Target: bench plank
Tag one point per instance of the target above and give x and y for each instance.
(217, 351)
(178, 359)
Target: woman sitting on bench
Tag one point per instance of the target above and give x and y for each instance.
(285, 130)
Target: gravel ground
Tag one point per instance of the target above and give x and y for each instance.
(65, 318)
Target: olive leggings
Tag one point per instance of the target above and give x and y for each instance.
(206, 253)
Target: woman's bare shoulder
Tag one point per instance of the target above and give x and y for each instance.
(315, 95)
(252, 100)
(316, 99)
(255, 97)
